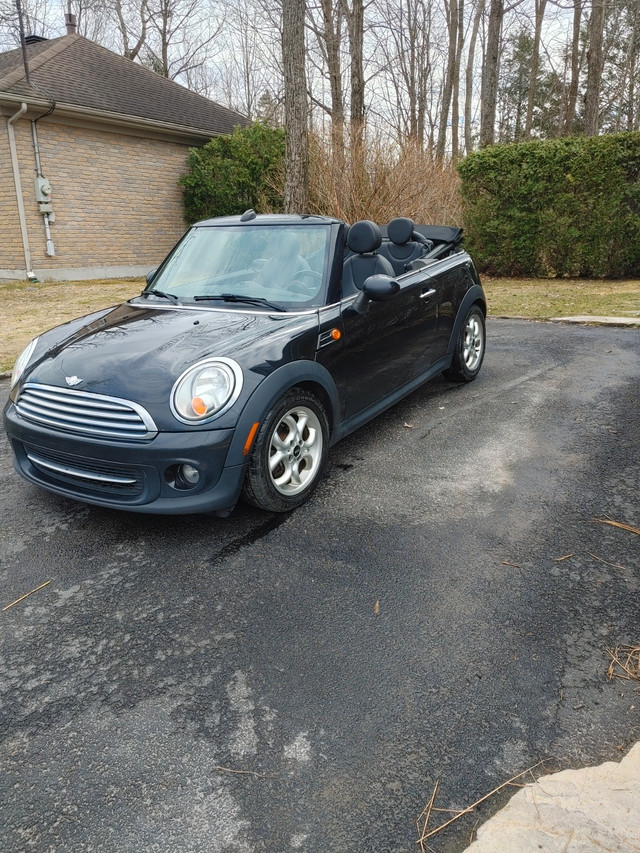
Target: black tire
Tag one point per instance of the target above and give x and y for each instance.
(287, 460)
(470, 346)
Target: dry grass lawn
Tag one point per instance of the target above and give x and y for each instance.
(27, 309)
(543, 299)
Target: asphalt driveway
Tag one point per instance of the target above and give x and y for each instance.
(440, 610)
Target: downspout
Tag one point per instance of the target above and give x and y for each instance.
(18, 184)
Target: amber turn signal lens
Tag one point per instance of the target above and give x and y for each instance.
(198, 405)
(336, 334)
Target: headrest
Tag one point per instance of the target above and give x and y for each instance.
(364, 236)
(288, 244)
(400, 230)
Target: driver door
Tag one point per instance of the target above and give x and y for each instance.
(391, 343)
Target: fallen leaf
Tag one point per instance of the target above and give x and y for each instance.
(376, 607)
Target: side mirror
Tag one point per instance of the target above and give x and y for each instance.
(379, 288)
(151, 275)
(376, 288)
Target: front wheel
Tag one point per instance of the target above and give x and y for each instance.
(289, 453)
(469, 350)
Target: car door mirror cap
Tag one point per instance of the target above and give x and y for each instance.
(380, 287)
(151, 275)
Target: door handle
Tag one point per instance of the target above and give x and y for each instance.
(428, 293)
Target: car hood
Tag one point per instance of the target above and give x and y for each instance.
(137, 352)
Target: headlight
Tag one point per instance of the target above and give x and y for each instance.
(206, 390)
(23, 361)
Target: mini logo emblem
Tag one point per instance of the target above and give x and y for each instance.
(73, 380)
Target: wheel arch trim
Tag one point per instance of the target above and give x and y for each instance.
(474, 296)
(306, 374)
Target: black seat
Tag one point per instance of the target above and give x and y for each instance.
(404, 245)
(364, 240)
(285, 262)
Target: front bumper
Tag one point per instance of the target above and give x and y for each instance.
(127, 475)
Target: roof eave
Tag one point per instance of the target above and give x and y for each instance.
(127, 123)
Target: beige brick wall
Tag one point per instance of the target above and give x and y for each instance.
(116, 198)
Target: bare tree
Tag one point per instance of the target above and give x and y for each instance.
(490, 69)
(540, 6)
(469, 75)
(354, 15)
(296, 187)
(407, 51)
(132, 20)
(326, 22)
(594, 68)
(575, 69)
(37, 18)
(454, 10)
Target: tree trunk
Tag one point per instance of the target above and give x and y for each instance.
(296, 185)
(489, 94)
(594, 69)
(468, 96)
(535, 65)
(355, 20)
(332, 37)
(452, 26)
(575, 68)
(455, 102)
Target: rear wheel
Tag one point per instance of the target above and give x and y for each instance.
(289, 453)
(469, 349)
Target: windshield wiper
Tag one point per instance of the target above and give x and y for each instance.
(233, 297)
(170, 296)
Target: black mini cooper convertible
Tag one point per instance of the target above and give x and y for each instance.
(257, 344)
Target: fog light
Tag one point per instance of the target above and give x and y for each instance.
(188, 474)
(182, 476)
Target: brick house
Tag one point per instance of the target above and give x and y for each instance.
(109, 138)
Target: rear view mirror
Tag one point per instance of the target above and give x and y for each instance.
(151, 275)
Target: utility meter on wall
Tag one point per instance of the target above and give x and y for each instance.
(43, 194)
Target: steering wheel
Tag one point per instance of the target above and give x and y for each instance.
(309, 287)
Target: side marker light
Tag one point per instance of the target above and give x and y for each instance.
(250, 437)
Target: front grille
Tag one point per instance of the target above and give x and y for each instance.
(85, 413)
(91, 475)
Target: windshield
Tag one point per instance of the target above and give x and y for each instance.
(279, 266)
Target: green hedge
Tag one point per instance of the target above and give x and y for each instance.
(565, 207)
(232, 173)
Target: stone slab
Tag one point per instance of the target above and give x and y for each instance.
(600, 321)
(593, 810)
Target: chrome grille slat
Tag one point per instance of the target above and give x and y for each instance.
(79, 414)
(85, 413)
(70, 398)
(77, 472)
(86, 475)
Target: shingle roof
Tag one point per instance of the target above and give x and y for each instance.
(78, 72)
